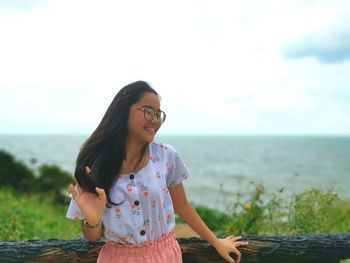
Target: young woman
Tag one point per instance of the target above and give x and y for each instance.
(128, 187)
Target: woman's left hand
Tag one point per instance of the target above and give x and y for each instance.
(229, 245)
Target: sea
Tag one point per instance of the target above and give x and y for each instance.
(223, 168)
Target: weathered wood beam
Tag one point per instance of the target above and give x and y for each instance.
(286, 249)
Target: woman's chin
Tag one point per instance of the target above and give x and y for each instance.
(149, 138)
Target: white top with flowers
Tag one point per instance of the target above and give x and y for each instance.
(146, 210)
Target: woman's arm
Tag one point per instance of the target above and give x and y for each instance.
(92, 232)
(93, 207)
(184, 209)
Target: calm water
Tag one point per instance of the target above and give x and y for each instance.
(223, 166)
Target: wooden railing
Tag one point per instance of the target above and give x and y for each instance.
(281, 249)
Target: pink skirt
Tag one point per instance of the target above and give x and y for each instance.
(163, 250)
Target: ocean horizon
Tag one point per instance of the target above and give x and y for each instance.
(222, 166)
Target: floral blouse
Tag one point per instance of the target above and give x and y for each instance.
(146, 210)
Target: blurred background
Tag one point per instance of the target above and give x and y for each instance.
(256, 92)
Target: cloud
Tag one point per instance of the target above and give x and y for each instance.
(329, 45)
(27, 5)
(62, 62)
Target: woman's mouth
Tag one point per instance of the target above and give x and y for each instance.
(151, 129)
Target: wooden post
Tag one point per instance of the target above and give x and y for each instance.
(281, 249)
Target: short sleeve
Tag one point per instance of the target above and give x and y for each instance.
(177, 169)
(73, 211)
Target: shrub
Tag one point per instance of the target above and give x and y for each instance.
(14, 173)
(248, 217)
(214, 219)
(53, 179)
(50, 178)
(313, 211)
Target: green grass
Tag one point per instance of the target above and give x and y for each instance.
(309, 212)
(24, 217)
(36, 216)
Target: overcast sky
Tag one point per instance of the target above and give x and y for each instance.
(221, 67)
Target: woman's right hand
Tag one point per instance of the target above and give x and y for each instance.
(90, 204)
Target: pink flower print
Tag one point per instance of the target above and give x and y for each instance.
(118, 212)
(166, 190)
(130, 186)
(108, 232)
(146, 224)
(144, 190)
(78, 215)
(168, 218)
(163, 146)
(158, 175)
(154, 158)
(135, 209)
(154, 203)
(127, 237)
(169, 167)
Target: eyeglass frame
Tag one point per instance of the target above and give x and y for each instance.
(156, 114)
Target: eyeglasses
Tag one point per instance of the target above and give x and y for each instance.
(150, 113)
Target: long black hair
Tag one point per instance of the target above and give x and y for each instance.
(105, 150)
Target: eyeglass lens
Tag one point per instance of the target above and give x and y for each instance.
(149, 115)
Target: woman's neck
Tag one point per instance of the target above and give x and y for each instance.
(133, 159)
(133, 149)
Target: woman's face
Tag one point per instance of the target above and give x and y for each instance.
(138, 127)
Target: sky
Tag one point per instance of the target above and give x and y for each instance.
(245, 67)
